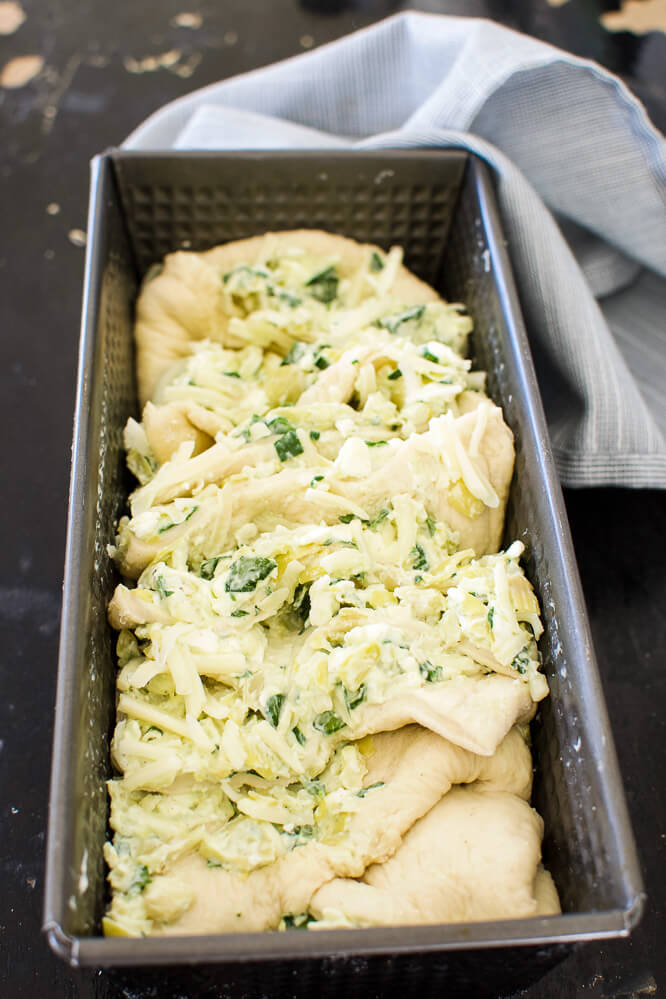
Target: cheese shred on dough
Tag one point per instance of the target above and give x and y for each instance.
(326, 663)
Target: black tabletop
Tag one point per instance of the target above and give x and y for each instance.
(75, 77)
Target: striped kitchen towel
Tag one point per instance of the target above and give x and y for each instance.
(581, 182)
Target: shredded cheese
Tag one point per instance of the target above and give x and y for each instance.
(296, 570)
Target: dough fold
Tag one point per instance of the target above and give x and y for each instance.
(414, 768)
(474, 856)
(284, 498)
(183, 302)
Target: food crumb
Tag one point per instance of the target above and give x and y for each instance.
(637, 16)
(169, 58)
(53, 208)
(49, 254)
(230, 38)
(307, 41)
(185, 69)
(17, 72)
(77, 237)
(149, 64)
(187, 19)
(12, 17)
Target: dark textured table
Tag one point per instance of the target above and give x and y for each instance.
(104, 69)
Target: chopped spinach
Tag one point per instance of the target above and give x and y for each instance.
(371, 787)
(379, 519)
(419, 559)
(431, 525)
(273, 708)
(315, 787)
(328, 723)
(521, 662)
(294, 354)
(324, 285)
(491, 617)
(141, 880)
(161, 588)
(356, 697)
(395, 375)
(298, 735)
(346, 518)
(288, 445)
(208, 567)
(391, 323)
(376, 262)
(429, 672)
(239, 613)
(246, 572)
(291, 300)
(279, 425)
(430, 357)
(232, 374)
(246, 271)
(301, 601)
(376, 443)
(314, 435)
(295, 616)
(299, 834)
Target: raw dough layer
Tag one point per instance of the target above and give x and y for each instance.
(416, 768)
(183, 303)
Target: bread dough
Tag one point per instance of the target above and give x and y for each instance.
(474, 856)
(183, 302)
(346, 491)
(416, 768)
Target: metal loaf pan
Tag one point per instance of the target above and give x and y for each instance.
(440, 207)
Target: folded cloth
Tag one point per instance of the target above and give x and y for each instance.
(559, 132)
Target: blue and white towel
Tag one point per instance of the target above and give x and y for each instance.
(565, 138)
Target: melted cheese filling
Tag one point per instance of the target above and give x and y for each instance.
(247, 666)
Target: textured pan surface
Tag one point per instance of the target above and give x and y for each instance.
(440, 207)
